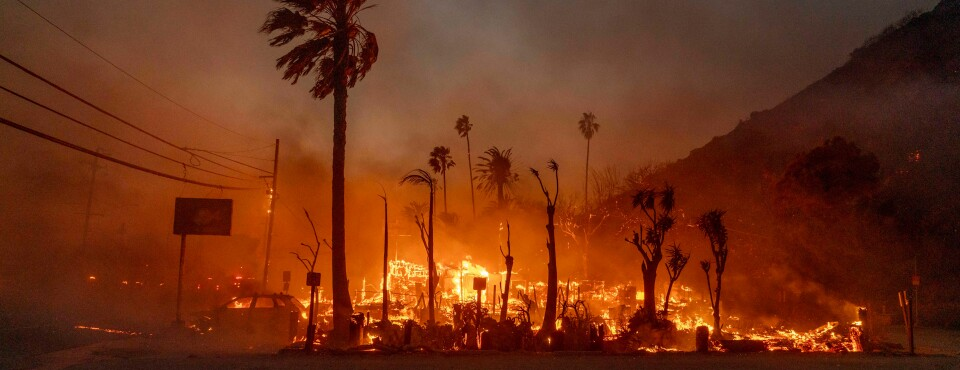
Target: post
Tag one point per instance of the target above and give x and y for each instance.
(385, 317)
(907, 310)
(313, 280)
(183, 250)
(273, 203)
(86, 218)
(916, 291)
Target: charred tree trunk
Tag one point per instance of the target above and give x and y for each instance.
(649, 291)
(508, 260)
(504, 306)
(666, 299)
(717, 331)
(342, 308)
(550, 311)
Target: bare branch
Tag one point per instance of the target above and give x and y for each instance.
(302, 261)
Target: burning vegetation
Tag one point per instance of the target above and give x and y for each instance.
(491, 279)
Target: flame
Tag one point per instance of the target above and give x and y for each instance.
(407, 284)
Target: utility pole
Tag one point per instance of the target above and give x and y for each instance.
(385, 317)
(273, 204)
(86, 218)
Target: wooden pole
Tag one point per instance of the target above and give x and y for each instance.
(183, 249)
(385, 318)
(273, 204)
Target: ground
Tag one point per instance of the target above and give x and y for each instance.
(940, 349)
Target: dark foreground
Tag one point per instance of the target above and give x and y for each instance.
(180, 353)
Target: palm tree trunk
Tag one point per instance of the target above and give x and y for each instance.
(444, 173)
(586, 209)
(431, 266)
(342, 309)
(586, 180)
(500, 201)
(473, 200)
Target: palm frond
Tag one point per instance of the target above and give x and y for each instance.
(588, 125)
(290, 24)
(463, 125)
(418, 177)
(322, 20)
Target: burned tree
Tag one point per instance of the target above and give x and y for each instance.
(676, 261)
(421, 177)
(313, 280)
(550, 309)
(711, 223)
(649, 241)
(508, 260)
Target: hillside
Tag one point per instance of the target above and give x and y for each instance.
(897, 97)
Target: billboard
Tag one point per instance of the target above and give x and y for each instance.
(202, 216)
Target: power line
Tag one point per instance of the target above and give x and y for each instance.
(131, 76)
(112, 159)
(229, 159)
(54, 111)
(244, 150)
(101, 110)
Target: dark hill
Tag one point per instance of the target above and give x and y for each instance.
(897, 97)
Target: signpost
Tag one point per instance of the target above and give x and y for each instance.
(198, 216)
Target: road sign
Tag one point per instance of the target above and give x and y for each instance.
(202, 216)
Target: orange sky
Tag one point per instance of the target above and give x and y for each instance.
(663, 77)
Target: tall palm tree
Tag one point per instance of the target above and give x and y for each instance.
(588, 127)
(421, 177)
(441, 161)
(495, 174)
(340, 52)
(463, 128)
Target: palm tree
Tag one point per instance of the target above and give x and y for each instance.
(588, 127)
(495, 174)
(441, 161)
(340, 52)
(550, 308)
(463, 128)
(421, 177)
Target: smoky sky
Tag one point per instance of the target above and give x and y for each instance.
(663, 77)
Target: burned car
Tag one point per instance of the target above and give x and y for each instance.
(276, 318)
